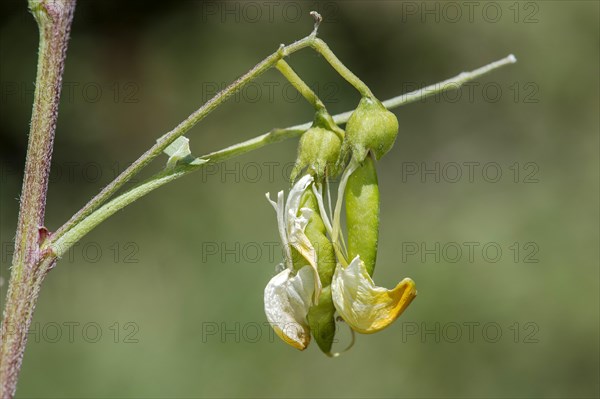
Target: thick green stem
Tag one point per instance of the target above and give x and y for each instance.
(29, 264)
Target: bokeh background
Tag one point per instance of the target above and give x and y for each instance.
(165, 298)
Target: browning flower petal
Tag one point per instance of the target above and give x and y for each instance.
(287, 300)
(364, 306)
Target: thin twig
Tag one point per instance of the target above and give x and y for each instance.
(181, 129)
(60, 245)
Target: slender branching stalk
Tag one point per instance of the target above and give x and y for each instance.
(182, 128)
(322, 48)
(61, 244)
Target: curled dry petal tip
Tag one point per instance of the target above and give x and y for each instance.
(364, 306)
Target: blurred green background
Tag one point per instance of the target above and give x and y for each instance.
(165, 298)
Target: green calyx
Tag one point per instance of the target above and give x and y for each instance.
(319, 148)
(371, 127)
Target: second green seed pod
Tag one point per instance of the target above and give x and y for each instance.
(362, 213)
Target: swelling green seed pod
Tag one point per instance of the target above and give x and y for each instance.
(362, 213)
(321, 320)
(317, 234)
(371, 127)
(321, 316)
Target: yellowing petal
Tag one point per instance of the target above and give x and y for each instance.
(364, 306)
(296, 221)
(302, 244)
(287, 300)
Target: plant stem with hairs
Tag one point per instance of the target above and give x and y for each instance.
(30, 264)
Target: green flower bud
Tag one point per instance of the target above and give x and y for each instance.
(371, 127)
(319, 148)
(362, 213)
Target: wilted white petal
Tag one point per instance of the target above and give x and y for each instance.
(292, 223)
(281, 226)
(295, 195)
(287, 300)
(297, 220)
(364, 306)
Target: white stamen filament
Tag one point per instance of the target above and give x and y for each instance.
(318, 190)
(337, 237)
